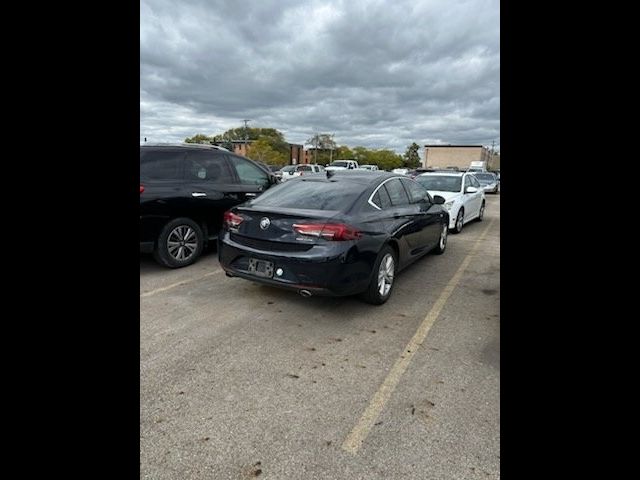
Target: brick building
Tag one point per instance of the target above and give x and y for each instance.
(461, 156)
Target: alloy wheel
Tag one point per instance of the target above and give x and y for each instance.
(182, 243)
(443, 237)
(385, 274)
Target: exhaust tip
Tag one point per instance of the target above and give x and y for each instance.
(305, 293)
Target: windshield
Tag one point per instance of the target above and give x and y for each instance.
(289, 168)
(339, 163)
(440, 183)
(485, 177)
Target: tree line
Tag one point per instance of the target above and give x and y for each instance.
(269, 146)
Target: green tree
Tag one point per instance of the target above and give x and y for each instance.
(198, 138)
(385, 159)
(263, 151)
(411, 156)
(362, 155)
(342, 152)
(324, 148)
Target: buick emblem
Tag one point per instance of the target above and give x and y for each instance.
(264, 223)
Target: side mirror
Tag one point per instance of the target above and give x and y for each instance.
(438, 200)
(471, 190)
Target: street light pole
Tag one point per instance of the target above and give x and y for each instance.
(245, 135)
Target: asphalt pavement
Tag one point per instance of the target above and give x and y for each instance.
(239, 380)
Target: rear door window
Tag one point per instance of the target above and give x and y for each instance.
(161, 164)
(208, 167)
(381, 198)
(396, 192)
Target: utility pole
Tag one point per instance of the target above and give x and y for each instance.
(490, 162)
(315, 152)
(331, 151)
(245, 135)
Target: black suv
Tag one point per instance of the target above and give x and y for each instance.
(185, 190)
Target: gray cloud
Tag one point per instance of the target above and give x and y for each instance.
(374, 73)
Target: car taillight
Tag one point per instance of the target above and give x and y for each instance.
(141, 189)
(331, 231)
(232, 220)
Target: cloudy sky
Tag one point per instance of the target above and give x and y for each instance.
(381, 74)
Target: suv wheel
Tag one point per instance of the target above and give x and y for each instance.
(179, 244)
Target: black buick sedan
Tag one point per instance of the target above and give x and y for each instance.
(339, 233)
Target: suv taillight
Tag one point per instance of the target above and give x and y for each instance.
(231, 220)
(336, 232)
(141, 189)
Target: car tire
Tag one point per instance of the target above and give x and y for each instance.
(180, 243)
(384, 269)
(442, 241)
(459, 221)
(481, 212)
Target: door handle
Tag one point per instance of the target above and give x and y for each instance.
(250, 194)
(198, 194)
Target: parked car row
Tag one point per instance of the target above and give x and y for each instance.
(321, 232)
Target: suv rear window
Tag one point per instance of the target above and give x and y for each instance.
(310, 195)
(161, 164)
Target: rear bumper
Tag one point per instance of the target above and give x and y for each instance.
(336, 269)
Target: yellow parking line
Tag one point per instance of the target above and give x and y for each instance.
(359, 433)
(173, 285)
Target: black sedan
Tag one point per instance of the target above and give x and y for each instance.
(339, 233)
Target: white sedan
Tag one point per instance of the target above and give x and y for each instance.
(464, 197)
(292, 171)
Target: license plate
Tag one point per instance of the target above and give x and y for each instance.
(262, 268)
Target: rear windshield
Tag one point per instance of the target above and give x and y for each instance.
(440, 183)
(311, 195)
(339, 163)
(485, 176)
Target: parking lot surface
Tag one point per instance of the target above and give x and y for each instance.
(240, 380)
